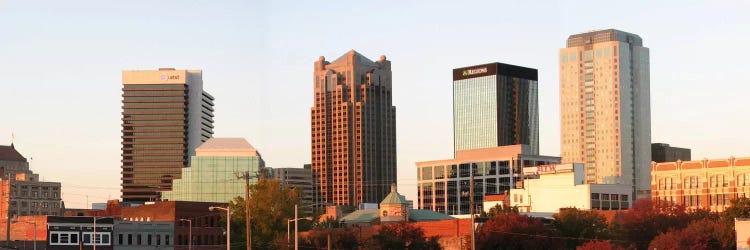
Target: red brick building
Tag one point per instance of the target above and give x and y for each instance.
(707, 184)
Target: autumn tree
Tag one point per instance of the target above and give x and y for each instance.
(702, 234)
(599, 245)
(646, 219)
(515, 231)
(576, 223)
(270, 208)
(402, 236)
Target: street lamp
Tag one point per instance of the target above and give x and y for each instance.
(190, 233)
(296, 230)
(290, 221)
(229, 213)
(93, 237)
(34, 223)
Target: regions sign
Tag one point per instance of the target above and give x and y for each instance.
(469, 72)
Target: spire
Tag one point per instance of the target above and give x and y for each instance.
(393, 187)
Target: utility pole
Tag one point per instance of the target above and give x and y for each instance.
(248, 231)
(471, 204)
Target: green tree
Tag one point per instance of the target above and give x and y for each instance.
(270, 208)
(402, 236)
(739, 208)
(576, 223)
(341, 238)
(498, 209)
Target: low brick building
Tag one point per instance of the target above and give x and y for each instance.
(707, 184)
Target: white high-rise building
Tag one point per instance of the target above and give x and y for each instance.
(605, 108)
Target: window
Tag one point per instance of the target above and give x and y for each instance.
(743, 180)
(119, 237)
(717, 181)
(102, 238)
(63, 238)
(690, 182)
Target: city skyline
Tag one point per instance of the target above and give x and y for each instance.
(60, 87)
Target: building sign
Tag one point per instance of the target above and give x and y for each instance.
(165, 77)
(469, 72)
(548, 169)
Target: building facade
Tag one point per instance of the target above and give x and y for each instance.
(662, 152)
(143, 235)
(212, 176)
(705, 184)
(443, 185)
(166, 115)
(21, 192)
(549, 188)
(298, 178)
(495, 105)
(79, 232)
(605, 107)
(353, 130)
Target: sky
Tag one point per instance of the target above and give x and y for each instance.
(61, 64)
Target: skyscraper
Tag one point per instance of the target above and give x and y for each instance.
(166, 115)
(353, 130)
(495, 105)
(605, 107)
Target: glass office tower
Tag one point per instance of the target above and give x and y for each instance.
(495, 105)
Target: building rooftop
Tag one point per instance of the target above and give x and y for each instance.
(394, 197)
(605, 35)
(226, 147)
(9, 153)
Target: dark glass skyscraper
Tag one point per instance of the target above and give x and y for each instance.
(166, 115)
(495, 105)
(353, 130)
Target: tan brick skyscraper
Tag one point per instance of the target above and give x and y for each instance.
(605, 107)
(353, 130)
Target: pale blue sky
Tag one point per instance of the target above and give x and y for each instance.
(60, 65)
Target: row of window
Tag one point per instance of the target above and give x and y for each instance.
(72, 238)
(693, 182)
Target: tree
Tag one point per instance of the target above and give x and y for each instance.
(646, 219)
(514, 231)
(271, 207)
(576, 223)
(600, 245)
(341, 238)
(499, 209)
(702, 234)
(739, 208)
(402, 236)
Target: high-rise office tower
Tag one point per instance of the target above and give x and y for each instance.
(495, 105)
(353, 130)
(604, 107)
(166, 115)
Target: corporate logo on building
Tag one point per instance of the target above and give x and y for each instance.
(165, 77)
(469, 72)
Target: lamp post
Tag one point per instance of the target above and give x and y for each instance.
(296, 218)
(229, 214)
(34, 223)
(93, 237)
(190, 233)
(288, 228)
